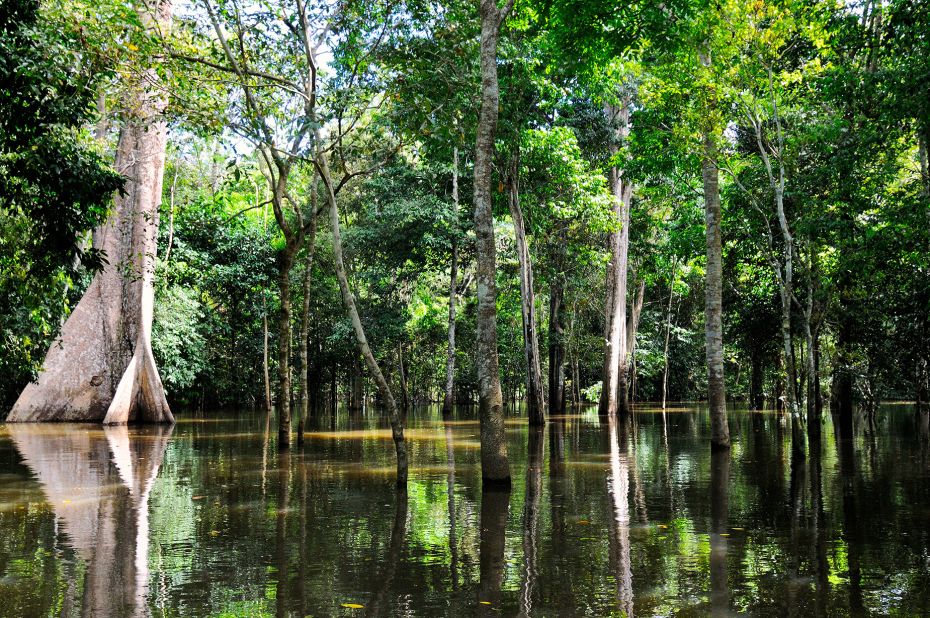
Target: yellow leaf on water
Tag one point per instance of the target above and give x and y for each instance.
(353, 605)
(485, 602)
(662, 526)
(214, 533)
(739, 529)
(724, 534)
(583, 522)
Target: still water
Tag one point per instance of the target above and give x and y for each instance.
(626, 518)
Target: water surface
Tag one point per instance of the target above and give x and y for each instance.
(604, 519)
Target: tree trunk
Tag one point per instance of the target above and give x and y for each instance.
(384, 389)
(535, 396)
(668, 334)
(713, 302)
(266, 370)
(556, 347)
(402, 374)
(102, 367)
(305, 324)
(285, 262)
(632, 327)
(495, 466)
(615, 353)
(448, 400)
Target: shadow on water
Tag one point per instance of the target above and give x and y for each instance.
(630, 516)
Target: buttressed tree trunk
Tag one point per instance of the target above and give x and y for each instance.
(495, 467)
(448, 400)
(615, 364)
(535, 397)
(102, 368)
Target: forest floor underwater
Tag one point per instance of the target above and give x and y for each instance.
(628, 517)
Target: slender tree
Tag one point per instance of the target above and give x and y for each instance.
(495, 467)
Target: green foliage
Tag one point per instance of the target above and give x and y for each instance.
(54, 187)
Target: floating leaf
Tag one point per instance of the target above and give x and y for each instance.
(353, 605)
(214, 533)
(485, 602)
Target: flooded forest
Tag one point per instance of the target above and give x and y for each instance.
(464, 308)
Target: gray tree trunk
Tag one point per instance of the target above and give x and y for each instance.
(615, 356)
(556, 347)
(535, 396)
(448, 400)
(285, 262)
(102, 367)
(384, 389)
(713, 301)
(632, 327)
(495, 466)
(668, 334)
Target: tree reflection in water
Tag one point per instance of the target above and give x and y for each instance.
(98, 483)
(650, 523)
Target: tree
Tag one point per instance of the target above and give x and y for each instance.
(495, 468)
(116, 379)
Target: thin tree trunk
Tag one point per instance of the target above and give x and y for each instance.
(632, 327)
(449, 397)
(305, 323)
(495, 466)
(556, 347)
(713, 303)
(615, 353)
(102, 367)
(535, 396)
(285, 262)
(384, 389)
(668, 334)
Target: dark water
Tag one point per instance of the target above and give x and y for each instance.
(603, 520)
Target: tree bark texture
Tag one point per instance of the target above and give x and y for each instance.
(713, 301)
(384, 389)
(535, 396)
(102, 367)
(495, 466)
(285, 262)
(448, 400)
(615, 354)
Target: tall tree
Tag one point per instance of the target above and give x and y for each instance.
(103, 368)
(495, 467)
